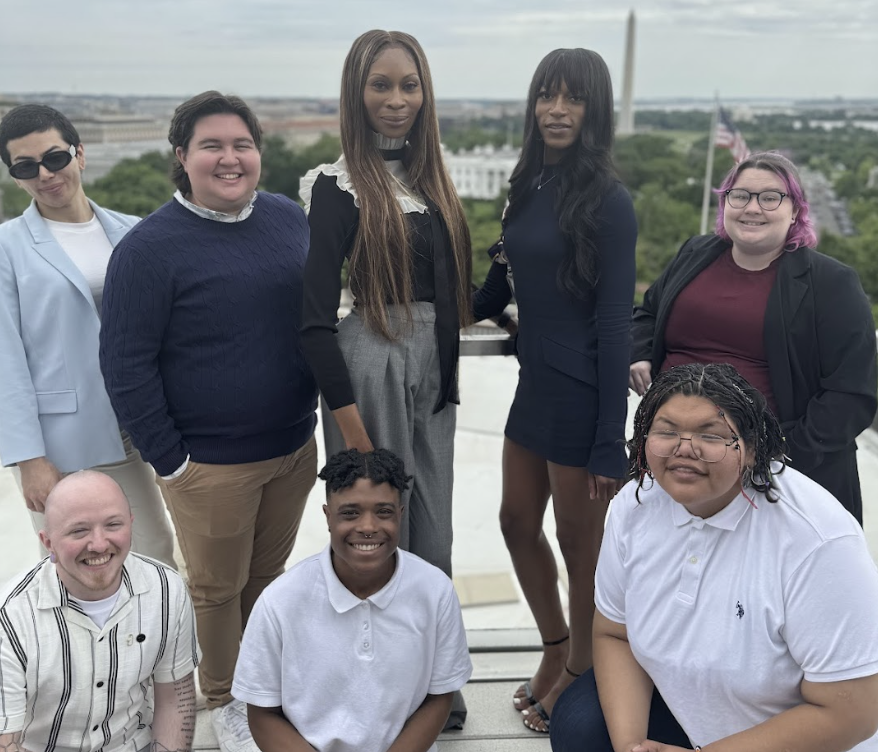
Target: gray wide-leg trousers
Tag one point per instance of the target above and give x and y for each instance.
(396, 386)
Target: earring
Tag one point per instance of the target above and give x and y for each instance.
(747, 477)
(52, 557)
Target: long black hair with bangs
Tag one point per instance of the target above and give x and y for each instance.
(586, 171)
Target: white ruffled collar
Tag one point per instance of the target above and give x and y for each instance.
(409, 202)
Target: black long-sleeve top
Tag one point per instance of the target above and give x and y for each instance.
(333, 219)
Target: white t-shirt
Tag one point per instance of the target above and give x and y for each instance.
(89, 248)
(98, 611)
(348, 673)
(729, 614)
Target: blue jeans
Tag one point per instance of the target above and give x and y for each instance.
(578, 721)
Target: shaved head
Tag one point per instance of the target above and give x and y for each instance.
(76, 486)
(88, 534)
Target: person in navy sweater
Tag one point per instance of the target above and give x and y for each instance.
(201, 357)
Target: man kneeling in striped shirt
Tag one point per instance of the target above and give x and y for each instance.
(97, 644)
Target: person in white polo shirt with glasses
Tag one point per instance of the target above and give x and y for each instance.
(737, 603)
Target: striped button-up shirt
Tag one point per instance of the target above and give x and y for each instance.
(67, 684)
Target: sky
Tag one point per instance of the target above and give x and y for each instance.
(479, 49)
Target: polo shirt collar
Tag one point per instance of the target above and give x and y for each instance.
(726, 519)
(343, 600)
(53, 594)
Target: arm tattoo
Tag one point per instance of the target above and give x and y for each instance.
(185, 691)
(174, 719)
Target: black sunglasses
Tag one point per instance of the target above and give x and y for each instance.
(54, 161)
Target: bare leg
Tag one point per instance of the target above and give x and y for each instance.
(580, 526)
(525, 495)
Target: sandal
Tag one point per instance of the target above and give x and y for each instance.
(524, 696)
(539, 710)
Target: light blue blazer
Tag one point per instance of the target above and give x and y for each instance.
(52, 397)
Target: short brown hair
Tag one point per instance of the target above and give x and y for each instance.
(191, 111)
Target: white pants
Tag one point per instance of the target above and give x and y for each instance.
(151, 534)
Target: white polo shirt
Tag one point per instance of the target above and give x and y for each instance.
(348, 673)
(68, 684)
(729, 614)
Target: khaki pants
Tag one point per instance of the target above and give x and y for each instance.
(236, 525)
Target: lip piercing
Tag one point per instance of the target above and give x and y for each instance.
(368, 535)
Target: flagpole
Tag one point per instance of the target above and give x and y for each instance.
(708, 170)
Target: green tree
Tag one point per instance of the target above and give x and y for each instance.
(483, 220)
(15, 200)
(134, 186)
(664, 223)
(283, 167)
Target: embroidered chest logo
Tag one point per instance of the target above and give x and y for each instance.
(739, 610)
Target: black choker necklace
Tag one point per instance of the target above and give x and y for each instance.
(392, 154)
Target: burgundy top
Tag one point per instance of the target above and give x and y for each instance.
(719, 317)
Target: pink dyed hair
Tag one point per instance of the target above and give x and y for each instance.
(801, 231)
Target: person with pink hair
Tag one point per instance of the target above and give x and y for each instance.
(795, 323)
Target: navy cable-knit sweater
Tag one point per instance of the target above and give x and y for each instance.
(200, 345)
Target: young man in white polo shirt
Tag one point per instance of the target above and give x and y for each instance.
(97, 645)
(361, 646)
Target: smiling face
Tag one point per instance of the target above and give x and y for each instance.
(393, 95)
(758, 236)
(364, 533)
(88, 529)
(559, 114)
(704, 488)
(56, 193)
(222, 163)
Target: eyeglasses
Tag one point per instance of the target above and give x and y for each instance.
(708, 447)
(738, 198)
(54, 161)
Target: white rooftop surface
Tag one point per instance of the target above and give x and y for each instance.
(483, 571)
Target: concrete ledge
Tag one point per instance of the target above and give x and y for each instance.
(503, 640)
(492, 724)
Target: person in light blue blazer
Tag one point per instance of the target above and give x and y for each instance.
(55, 415)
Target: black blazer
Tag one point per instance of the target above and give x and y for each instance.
(820, 343)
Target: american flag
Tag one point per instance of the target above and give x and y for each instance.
(729, 137)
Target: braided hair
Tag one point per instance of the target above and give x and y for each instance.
(345, 468)
(733, 395)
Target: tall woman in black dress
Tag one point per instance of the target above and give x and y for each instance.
(569, 236)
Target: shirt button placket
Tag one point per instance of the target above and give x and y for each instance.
(365, 646)
(690, 577)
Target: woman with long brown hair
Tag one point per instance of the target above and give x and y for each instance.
(388, 371)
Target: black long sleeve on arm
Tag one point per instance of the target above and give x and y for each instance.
(333, 220)
(494, 295)
(616, 241)
(843, 404)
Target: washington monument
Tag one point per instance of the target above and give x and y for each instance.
(626, 116)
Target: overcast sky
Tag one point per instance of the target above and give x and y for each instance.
(476, 48)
